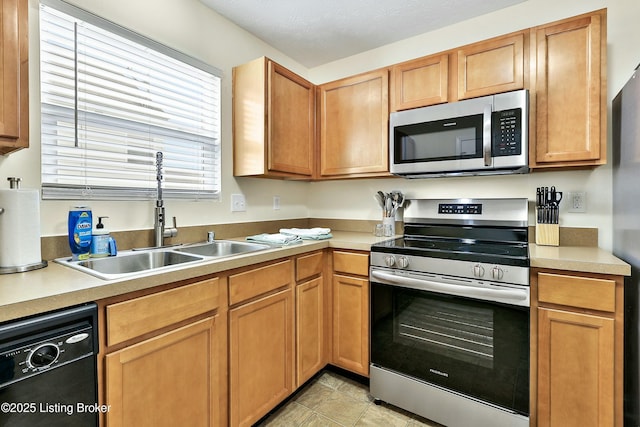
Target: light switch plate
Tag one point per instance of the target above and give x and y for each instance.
(276, 203)
(238, 203)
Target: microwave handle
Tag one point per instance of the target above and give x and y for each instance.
(486, 135)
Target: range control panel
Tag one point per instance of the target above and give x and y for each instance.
(460, 208)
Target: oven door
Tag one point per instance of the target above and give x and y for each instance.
(476, 347)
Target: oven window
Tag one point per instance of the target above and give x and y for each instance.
(446, 329)
(459, 138)
(473, 347)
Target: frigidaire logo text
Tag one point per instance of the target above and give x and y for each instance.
(442, 374)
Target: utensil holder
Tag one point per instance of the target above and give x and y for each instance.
(547, 234)
(389, 226)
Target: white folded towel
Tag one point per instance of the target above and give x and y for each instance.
(316, 233)
(275, 239)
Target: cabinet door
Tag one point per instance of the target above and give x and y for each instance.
(575, 369)
(273, 122)
(570, 93)
(309, 329)
(260, 356)
(354, 116)
(351, 323)
(492, 66)
(14, 76)
(168, 380)
(291, 122)
(419, 83)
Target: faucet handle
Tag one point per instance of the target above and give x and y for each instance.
(171, 232)
(211, 236)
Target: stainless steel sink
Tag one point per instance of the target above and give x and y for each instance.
(129, 263)
(222, 248)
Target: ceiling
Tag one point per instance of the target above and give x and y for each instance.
(315, 32)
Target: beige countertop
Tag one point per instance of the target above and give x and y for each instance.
(57, 286)
(577, 258)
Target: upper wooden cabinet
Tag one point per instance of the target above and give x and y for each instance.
(492, 66)
(354, 116)
(14, 76)
(420, 82)
(563, 64)
(273, 122)
(570, 93)
(497, 65)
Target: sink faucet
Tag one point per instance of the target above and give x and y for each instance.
(160, 231)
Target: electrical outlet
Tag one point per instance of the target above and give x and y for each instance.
(238, 203)
(577, 201)
(276, 203)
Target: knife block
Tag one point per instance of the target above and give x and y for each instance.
(548, 234)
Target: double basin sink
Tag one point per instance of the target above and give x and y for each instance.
(130, 263)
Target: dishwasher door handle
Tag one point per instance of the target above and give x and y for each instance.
(493, 293)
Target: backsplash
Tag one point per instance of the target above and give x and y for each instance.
(58, 246)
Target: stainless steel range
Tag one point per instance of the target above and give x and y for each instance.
(450, 313)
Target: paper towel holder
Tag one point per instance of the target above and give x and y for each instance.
(14, 184)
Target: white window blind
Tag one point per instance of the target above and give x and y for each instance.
(110, 100)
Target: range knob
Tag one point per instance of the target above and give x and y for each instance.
(43, 356)
(497, 273)
(478, 270)
(403, 262)
(390, 260)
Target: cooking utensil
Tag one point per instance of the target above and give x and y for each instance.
(379, 199)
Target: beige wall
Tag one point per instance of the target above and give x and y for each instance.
(189, 26)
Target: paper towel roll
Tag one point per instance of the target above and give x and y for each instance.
(19, 227)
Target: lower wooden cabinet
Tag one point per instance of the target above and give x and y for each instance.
(166, 380)
(350, 307)
(310, 316)
(351, 323)
(579, 350)
(309, 329)
(260, 356)
(163, 356)
(576, 369)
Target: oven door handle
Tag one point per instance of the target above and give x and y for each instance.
(515, 296)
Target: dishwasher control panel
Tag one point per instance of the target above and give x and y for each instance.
(29, 356)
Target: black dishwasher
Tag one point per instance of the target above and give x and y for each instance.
(48, 369)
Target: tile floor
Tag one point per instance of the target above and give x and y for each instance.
(335, 401)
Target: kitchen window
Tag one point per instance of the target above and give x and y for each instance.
(110, 100)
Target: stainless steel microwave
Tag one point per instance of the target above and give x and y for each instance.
(486, 135)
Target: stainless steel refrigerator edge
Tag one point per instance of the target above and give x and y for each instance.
(626, 230)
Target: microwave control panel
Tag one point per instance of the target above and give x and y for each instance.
(507, 132)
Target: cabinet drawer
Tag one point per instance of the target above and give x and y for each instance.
(352, 263)
(308, 266)
(252, 283)
(130, 319)
(581, 292)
